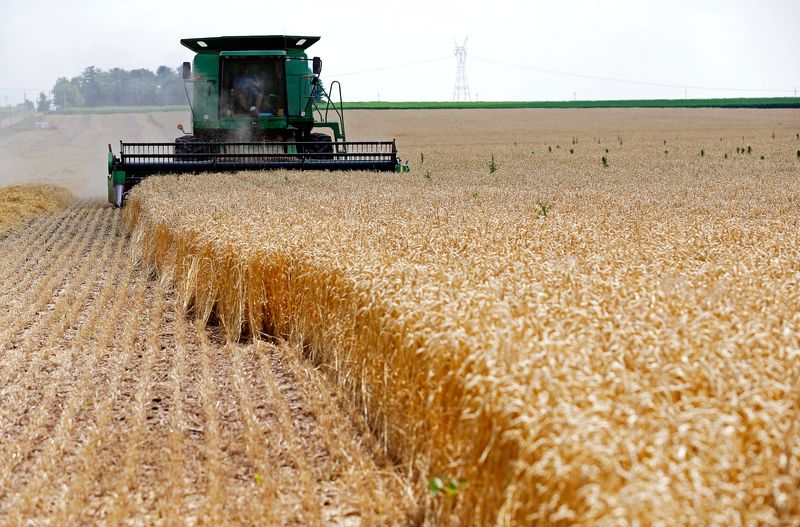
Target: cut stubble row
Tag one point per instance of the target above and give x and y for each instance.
(115, 407)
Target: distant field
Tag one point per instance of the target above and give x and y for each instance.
(768, 102)
(121, 109)
(740, 102)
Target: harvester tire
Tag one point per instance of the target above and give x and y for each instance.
(187, 144)
(322, 145)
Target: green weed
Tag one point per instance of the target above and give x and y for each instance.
(543, 209)
(436, 485)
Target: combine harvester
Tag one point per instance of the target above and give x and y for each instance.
(255, 102)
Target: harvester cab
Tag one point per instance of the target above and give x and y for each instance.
(256, 102)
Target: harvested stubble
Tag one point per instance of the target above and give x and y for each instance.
(632, 358)
(114, 409)
(19, 203)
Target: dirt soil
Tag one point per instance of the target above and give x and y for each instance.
(73, 152)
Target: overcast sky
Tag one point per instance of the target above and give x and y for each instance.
(403, 50)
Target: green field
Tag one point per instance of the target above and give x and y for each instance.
(766, 102)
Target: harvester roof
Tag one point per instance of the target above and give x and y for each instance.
(248, 43)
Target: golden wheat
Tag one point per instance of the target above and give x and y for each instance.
(19, 203)
(562, 342)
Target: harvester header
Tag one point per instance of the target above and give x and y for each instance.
(256, 102)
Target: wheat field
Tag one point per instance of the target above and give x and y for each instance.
(516, 332)
(543, 336)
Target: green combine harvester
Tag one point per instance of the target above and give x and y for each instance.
(255, 103)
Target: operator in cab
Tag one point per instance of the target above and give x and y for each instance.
(249, 90)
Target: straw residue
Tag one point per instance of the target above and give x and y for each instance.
(19, 203)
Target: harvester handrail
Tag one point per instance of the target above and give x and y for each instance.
(332, 106)
(123, 146)
(223, 155)
(259, 143)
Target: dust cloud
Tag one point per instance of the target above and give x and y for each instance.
(73, 151)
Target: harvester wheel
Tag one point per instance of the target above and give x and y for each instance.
(322, 145)
(187, 144)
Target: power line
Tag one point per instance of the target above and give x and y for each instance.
(625, 81)
(24, 89)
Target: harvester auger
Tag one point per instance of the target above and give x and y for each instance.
(254, 103)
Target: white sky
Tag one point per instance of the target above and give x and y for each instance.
(514, 48)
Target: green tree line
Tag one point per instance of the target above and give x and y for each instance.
(117, 87)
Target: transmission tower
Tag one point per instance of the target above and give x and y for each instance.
(461, 89)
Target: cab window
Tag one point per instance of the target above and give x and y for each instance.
(252, 86)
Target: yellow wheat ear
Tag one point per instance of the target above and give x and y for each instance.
(564, 342)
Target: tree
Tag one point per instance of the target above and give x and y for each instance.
(67, 93)
(169, 86)
(120, 87)
(117, 82)
(94, 86)
(43, 103)
(141, 87)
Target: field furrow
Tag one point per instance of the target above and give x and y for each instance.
(216, 471)
(127, 498)
(21, 244)
(67, 303)
(116, 406)
(25, 245)
(331, 443)
(264, 489)
(26, 257)
(175, 485)
(94, 453)
(38, 299)
(35, 345)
